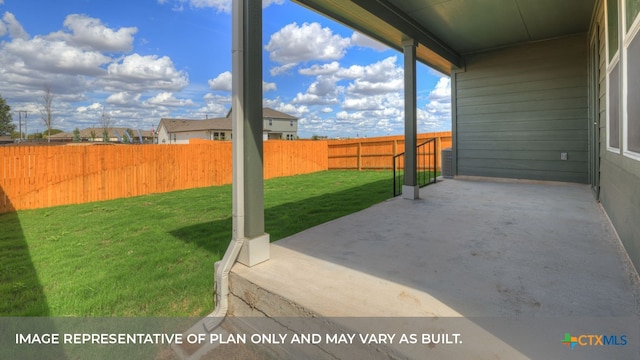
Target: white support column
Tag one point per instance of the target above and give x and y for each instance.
(248, 185)
(410, 189)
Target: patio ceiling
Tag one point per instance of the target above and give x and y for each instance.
(449, 29)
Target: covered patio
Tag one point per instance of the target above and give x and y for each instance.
(466, 248)
(468, 255)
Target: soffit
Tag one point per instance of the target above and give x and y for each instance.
(449, 29)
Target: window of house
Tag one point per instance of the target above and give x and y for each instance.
(613, 125)
(270, 122)
(632, 8)
(631, 49)
(291, 123)
(612, 28)
(613, 77)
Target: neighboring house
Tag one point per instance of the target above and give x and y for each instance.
(179, 131)
(6, 139)
(540, 90)
(276, 126)
(116, 134)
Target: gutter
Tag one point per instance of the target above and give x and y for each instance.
(221, 285)
(223, 267)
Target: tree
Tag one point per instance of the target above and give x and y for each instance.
(76, 135)
(106, 123)
(46, 111)
(6, 126)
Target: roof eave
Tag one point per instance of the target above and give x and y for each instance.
(384, 22)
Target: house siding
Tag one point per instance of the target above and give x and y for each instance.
(619, 175)
(518, 108)
(280, 128)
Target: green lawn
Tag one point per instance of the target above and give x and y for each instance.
(153, 255)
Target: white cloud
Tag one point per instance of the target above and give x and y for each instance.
(92, 107)
(436, 115)
(16, 31)
(123, 99)
(140, 73)
(297, 111)
(365, 87)
(365, 103)
(383, 71)
(353, 72)
(367, 82)
(295, 44)
(222, 82)
(323, 91)
(268, 86)
(221, 6)
(312, 99)
(323, 86)
(55, 57)
(324, 69)
(367, 100)
(168, 99)
(379, 78)
(215, 106)
(282, 69)
(442, 91)
(361, 40)
(266, 3)
(87, 32)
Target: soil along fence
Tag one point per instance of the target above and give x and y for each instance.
(43, 176)
(377, 153)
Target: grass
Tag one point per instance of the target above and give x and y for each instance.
(153, 255)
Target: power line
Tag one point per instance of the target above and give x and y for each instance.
(26, 116)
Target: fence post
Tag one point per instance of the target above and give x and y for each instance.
(359, 156)
(436, 156)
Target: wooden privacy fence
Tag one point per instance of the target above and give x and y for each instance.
(378, 153)
(42, 176)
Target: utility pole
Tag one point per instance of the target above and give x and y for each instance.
(26, 115)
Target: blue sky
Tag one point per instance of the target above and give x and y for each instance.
(144, 60)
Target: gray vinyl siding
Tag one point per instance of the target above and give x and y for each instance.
(620, 197)
(619, 175)
(518, 108)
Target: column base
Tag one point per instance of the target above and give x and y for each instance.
(410, 192)
(254, 250)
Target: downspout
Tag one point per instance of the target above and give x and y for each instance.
(222, 268)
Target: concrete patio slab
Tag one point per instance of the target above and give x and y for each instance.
(472, 249)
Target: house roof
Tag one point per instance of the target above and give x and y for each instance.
(270, 113)
(184, 125)
(86, 133)
(448, 29)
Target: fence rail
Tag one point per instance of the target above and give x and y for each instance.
(377, 153)
(43, 176)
